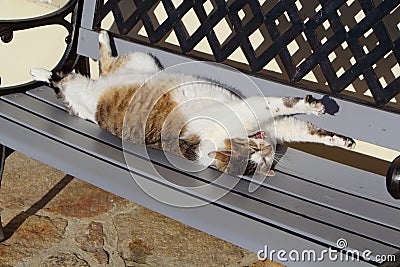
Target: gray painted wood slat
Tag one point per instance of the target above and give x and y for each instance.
(263, 212)
(316, 193)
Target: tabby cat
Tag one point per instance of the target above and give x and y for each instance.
(192, 117)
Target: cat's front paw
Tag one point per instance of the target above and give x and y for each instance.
(349, 143)
(317, 108)
(343, 141)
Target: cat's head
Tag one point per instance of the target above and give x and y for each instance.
(245, 156)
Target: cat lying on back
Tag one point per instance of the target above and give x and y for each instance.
(186, 115)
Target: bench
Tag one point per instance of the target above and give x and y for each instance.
(324, 199)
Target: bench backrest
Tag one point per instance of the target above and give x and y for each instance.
(344, 49)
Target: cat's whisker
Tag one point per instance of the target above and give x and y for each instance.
(284, 160)
(279, 155)
(284, 165)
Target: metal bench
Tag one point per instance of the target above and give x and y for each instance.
(313, 204)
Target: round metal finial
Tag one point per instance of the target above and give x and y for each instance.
(6, 35)
(393, 178)
(68, 39)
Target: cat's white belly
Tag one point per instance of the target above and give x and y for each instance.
(84, 94)
(216, 118)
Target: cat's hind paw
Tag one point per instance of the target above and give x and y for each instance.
(104, 38)
(317, 108)
(41, 75)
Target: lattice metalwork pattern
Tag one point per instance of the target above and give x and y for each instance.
(350, 49)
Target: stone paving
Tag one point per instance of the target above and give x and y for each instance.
(53, 219)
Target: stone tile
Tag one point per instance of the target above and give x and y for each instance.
(60, 221)
(20, 173)
(91, 239)
(82, 200)
(148, 237)
(39, 231)
(64, 260)
(36, 233)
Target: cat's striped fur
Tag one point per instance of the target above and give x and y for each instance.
(187, 115)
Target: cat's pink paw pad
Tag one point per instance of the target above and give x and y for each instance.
(317, 107)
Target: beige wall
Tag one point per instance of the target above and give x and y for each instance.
(41, 47)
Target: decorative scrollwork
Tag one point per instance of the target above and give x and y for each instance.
(6, 34)
(58, 17)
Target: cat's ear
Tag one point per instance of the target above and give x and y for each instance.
(223, 155)
(244, 144)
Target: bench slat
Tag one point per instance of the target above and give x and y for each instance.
(369, 185)
(249, 205)
(317, 192)
(47, 95)
(341, 177)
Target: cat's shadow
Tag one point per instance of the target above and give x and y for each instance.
(331, 107)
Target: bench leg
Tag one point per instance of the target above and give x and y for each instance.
(4, 153)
